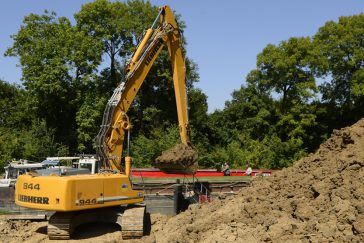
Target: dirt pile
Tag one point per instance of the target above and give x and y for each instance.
(34, 232)
(181, 158)
(19, 231)
(320, 198)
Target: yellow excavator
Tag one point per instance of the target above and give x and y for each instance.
(108, 195)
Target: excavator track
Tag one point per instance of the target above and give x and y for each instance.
(61, 225)
(133, 222)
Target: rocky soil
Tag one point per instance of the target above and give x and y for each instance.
(319, 199)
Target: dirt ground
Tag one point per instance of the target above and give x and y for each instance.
(319, 199)
(34, 232)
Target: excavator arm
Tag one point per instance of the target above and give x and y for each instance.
(115, 124)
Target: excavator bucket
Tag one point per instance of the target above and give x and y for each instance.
(177, 168)
(180, 159)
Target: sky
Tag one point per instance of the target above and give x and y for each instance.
(223, 37)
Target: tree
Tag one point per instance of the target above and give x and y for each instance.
(197, 110)
(110, 23)
(288, 70)
(341, 64)
(250, 110)
(57, 62)
(34, 143)
(146, 149)
(22, 134)
(88, 119)
(285, 69)
(12, 106)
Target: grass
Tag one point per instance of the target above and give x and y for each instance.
(4, 212)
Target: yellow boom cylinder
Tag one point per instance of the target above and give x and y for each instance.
(127, 165)
(146, 37)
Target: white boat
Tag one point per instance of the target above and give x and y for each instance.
(16, 168)
(79, 165)
(75, 164)
(5, 182)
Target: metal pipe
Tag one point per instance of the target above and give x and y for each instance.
(156, 19)
(128, 144)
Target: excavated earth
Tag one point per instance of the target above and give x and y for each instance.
(319, 199)
(179, 154)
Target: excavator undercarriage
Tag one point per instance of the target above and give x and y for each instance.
(131, 219)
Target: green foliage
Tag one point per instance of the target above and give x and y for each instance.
(270, 152)
(251, 110)
(35, 143)
(22, 135)
(358, 84)
(342, 50)
(57, 60)
(106, 21)
(89, 118)
(12, 102)
(146, 149)
(285, 70)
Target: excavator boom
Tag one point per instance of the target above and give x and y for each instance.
(110, 139)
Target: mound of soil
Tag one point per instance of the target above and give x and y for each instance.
(23, 230)
(34, 232)
(179, 154)
(320, 198)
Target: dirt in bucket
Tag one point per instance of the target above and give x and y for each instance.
(179, 154)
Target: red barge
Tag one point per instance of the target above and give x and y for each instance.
(156, 173)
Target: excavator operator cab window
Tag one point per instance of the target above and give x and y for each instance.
(86, 166)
